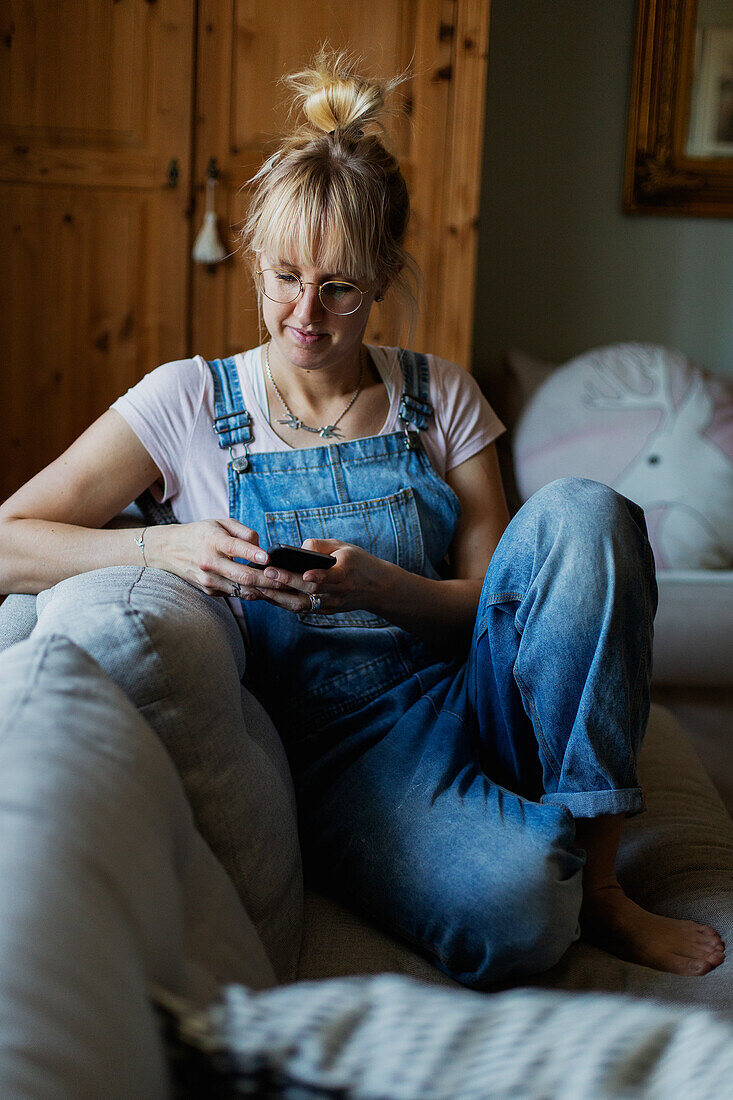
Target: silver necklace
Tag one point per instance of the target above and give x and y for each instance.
(326, 431)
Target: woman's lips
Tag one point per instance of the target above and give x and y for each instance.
(306, 338)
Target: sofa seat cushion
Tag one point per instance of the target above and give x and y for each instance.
(676, 859)
(106, 885)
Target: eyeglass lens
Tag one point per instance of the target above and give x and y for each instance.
(284, 287)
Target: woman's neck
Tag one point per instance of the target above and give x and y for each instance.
(313, 392)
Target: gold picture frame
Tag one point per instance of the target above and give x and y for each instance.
(665, 172)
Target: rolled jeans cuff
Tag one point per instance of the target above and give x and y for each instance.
(629, 801)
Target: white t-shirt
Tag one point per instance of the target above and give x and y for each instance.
(171, 410)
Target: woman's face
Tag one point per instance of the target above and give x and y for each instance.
(304, 333)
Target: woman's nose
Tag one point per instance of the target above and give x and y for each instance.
(308, 306)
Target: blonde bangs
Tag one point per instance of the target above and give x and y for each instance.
(311, 220)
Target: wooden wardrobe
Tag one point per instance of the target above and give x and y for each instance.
(111, 113)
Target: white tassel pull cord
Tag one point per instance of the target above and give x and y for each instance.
(207, 248)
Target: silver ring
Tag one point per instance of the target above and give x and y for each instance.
(236, 590)
(315, 602)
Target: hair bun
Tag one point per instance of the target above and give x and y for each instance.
(335, 97)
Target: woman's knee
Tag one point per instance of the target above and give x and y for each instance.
(589, 506)
(584, 531)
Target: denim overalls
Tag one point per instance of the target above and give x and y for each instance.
(437, 795)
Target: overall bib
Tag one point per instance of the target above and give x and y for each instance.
(437, 795)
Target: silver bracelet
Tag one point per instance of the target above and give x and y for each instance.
(141, 543)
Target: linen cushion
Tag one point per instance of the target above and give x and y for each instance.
(178, 655)
(106, 885)
(653, 425)
(17, 619)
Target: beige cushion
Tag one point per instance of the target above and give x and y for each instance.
(676, 859)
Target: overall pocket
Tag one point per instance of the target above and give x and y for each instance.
(388, 527)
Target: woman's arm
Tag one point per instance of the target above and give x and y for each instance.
(45, 526)
(49, 529)
(442, 612)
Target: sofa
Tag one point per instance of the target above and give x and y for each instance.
(151, 946)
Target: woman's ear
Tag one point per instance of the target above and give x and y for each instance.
(386, 284)
(382, 290)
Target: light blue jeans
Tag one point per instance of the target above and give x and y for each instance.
(455, 825)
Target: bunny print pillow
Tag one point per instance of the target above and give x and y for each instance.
(654, 426)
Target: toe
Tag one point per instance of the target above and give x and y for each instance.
(700, 951)
(696, 967)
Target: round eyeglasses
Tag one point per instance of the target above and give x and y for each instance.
(283, 287)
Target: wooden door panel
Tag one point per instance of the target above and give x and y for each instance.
(75, 99)
(244, 48)
(95, 241)
(97, 94)
(87, 277)
(270, 42)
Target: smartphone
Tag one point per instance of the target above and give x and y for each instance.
(295, 559)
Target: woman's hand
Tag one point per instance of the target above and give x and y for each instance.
(203, 554)
(358, 580)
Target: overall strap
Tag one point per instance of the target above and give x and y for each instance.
(415, 407)
(232, 422)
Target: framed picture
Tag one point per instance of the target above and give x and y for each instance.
(711, 117)
(679, 144)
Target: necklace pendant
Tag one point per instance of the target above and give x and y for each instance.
(328, 431)
(291, 421)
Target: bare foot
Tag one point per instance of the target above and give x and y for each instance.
(611, 920)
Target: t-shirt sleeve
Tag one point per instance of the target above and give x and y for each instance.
(464, 418)
(161, 409)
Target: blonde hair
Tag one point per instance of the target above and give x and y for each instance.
(332, 195)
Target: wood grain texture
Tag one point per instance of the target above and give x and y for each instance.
(95, 241)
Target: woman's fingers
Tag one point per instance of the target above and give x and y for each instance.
(282, 578)
(219, 568)
(324, 546)
(288, 599)
(233, 547)
(243, 542)
(325, 580)
(239, 530)
(258, 581)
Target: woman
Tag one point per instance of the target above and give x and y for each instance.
(460, 696)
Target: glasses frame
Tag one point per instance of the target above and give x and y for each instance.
(260, 271)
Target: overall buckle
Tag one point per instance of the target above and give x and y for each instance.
(414, 411)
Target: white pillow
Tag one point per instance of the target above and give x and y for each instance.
(654, 426)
